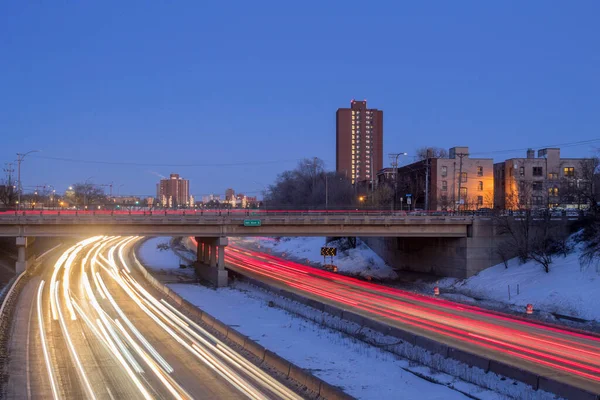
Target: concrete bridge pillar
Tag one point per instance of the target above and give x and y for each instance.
(222, 242)
(213, 254)
(205, 256)
(22, 261)
(211, 260)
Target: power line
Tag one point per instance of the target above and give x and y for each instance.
(136, 164)
(568, 144)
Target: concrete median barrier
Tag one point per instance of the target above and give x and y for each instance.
(470, 359)
(515, 373)
(565, 390)
(432, 346)
(208, 319)
(331, 392)
(236, 337)
(305, 378)
(279, 363)
(353, 317)
(323, 389)
(335, 311)
(256, 349)
(403, 335)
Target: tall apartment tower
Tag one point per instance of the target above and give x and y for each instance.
(359, 142)
(173, 192)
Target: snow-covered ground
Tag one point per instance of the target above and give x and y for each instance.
(360, 261)
(163, 261)
(568, 288)
(363, 371)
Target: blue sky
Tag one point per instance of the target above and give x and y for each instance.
(220, 83)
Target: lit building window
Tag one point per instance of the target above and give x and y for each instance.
(480, 185)
(569, 172)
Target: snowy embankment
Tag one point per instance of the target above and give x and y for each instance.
(359, 261)
(362, 370)
(569, 288)
(163, 260)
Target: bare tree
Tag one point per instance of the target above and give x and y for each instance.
(8, 192)
(518, 230)
(310, 186)
(381, 197)
(587, 184)
(84, 194)
(504, 250)
(591, 238)
(424, 153)
(542, 253)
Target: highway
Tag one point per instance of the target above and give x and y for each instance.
(564, 355)
(85, 327)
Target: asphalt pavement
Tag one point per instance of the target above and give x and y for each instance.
(84, 327)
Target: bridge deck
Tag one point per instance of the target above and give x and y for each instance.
(271, 224)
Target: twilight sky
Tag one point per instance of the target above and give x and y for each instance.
(235, 92)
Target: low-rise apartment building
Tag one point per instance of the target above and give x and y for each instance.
(543, 182)
(458, 182)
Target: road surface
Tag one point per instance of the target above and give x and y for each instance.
(566, 356)
(85, 328)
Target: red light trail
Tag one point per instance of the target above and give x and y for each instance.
(565, 355)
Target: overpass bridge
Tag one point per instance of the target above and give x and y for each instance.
(218, 224)
(445, 245)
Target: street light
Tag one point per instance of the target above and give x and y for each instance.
(395, 165)
(20, 157)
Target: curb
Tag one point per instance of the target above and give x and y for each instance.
(323, 389)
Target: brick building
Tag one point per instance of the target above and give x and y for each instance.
(173, 192)
(359, 142)
(453, 183)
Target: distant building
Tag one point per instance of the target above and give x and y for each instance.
(229, 194)
(543, 182)
(359, 142)
(173, 192)
(210, 197)
(455, 183)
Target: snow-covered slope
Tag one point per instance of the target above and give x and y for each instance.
(165, 261)
(360, 261)
(568, 288)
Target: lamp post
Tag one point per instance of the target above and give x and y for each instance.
(395, 165)
(20, 157)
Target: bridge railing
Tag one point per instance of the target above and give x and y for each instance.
(233, 212)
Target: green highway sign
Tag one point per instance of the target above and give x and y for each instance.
(252, 222)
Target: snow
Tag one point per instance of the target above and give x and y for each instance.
(361, 370)
(163, 261)
(364, 363)
(360, 261)
(568, 288)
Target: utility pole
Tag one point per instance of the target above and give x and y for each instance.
(427, 184)
(20, 157)
(326, 191)
(460, 155)
(394, 158)
(8, 169)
